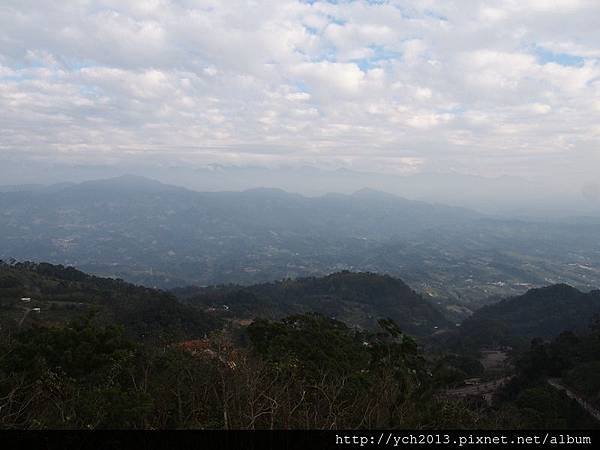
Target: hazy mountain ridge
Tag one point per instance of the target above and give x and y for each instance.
(506, 195)
(161, 235)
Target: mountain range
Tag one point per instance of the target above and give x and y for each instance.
(160, 235)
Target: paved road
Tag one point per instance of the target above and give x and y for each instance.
(485, 390)
(557, 384)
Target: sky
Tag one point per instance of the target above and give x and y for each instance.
(484, 88)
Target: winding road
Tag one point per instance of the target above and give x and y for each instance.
(557, 384)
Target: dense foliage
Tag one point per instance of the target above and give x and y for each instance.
(304, 372)
(63, 293)
(571, 362)
(354, 298)
(102, 353)
(539, 313)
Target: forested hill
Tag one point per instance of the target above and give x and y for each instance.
(354, 298)
(64, 293)
(539, 313)
(301, 371)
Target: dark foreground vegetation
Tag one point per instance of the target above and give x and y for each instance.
(105, 354)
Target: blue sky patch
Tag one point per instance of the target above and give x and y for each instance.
(380, 54)
(546, 56)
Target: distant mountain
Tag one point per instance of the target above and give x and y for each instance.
(64, 293)
(358, 299)
(21, 187)
(539, 313)
(36, 187)
(123, 184)
(147, 231)
(507, 195)
(155, 234)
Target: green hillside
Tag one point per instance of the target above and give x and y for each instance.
(59, 294)
(358, 299)
(539, 313)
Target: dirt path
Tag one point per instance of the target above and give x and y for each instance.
(27, 311)
(557, 384)
(493, 359)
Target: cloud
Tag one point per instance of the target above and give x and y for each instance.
(476, 86)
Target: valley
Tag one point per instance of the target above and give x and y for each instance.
(164, 236)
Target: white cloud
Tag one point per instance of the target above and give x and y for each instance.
(370, 85)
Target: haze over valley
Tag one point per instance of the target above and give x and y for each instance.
(160, 235)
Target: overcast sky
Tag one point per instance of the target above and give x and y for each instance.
(480, 87)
